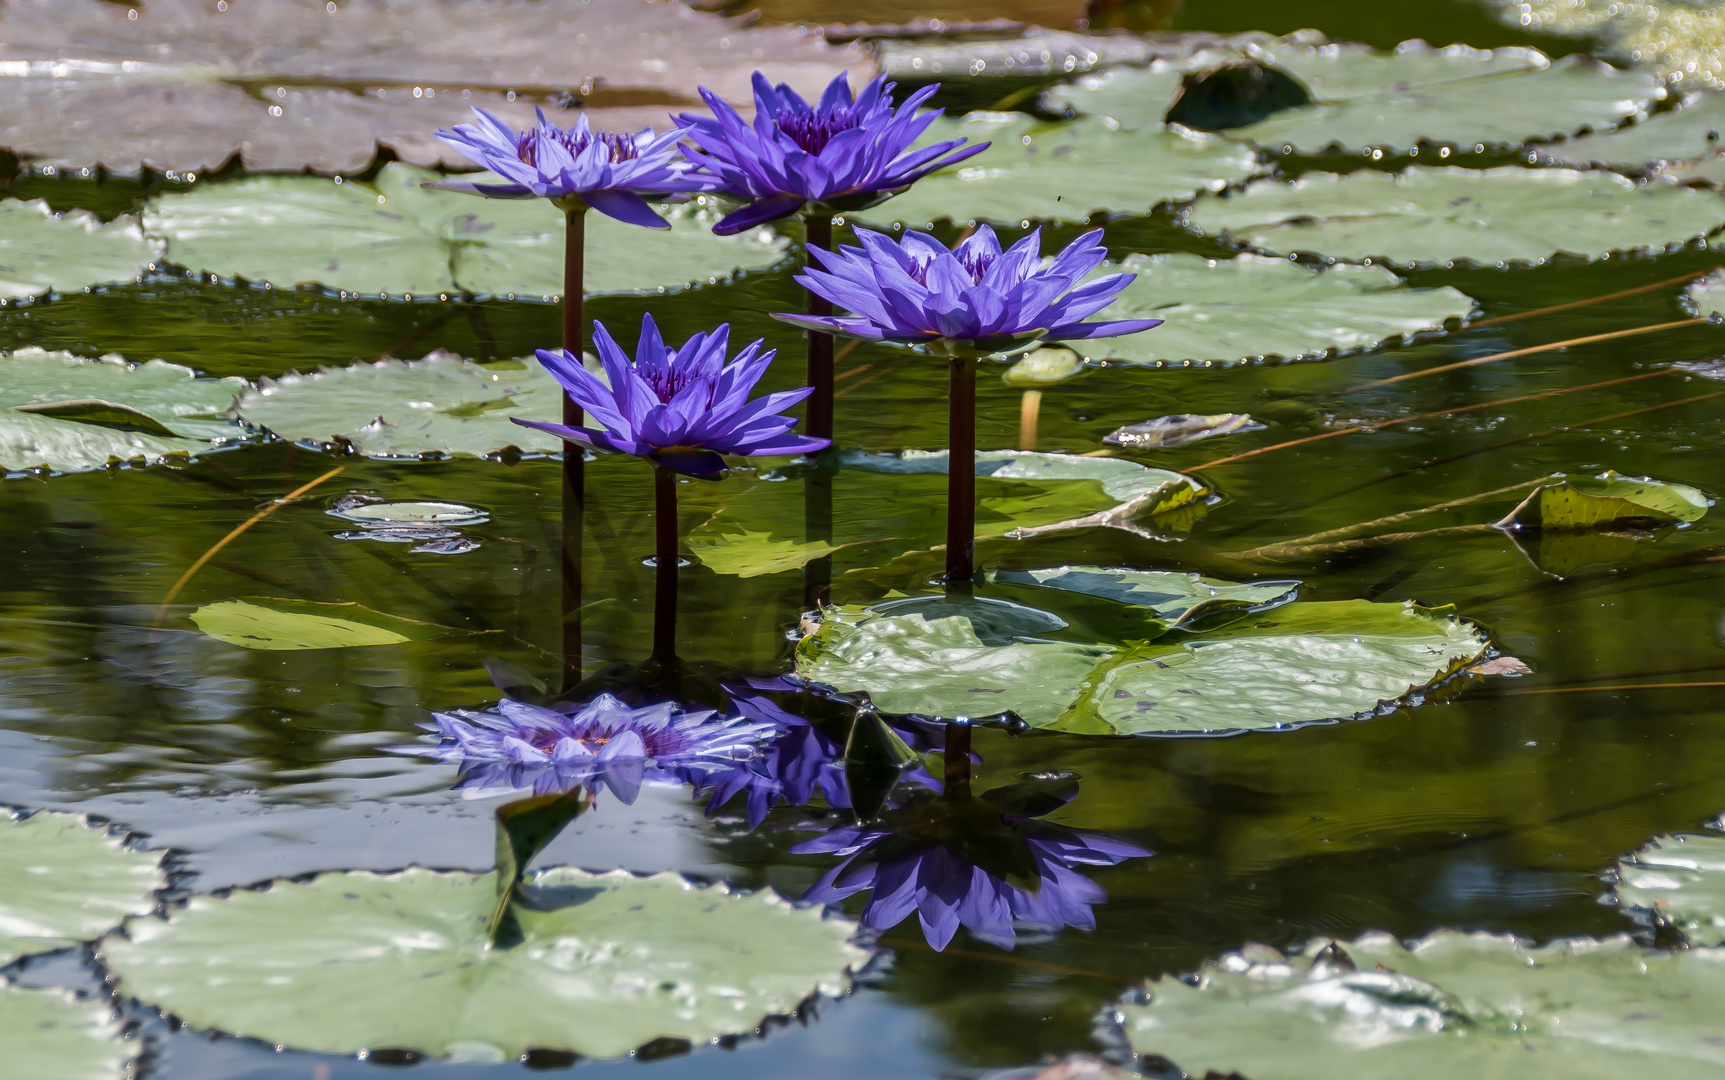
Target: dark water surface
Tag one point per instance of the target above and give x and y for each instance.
(1488, 809)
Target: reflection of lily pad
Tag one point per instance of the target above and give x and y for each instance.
(396, 409)
(1251, 307)
(1606, 501)
(608, 962)
(50, 1035)
(66, 882)
(261, 622)
(42, 251)
(1681, 880)
(399, 238)
(1425, 216)
(68, 414)
(1037, 171)
(1453, 1004)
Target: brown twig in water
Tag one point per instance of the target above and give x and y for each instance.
(1590, 301)
(1291, 551)
(858, 370)
(162, 611)
(1409, 515)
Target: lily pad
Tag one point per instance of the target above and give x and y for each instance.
(1680, 43)
(1606, 501)
(754, 554)
(1427, 216)
(409, 513)
(400, 239)
(1680, 880)
(67, 882)
(52, 1035)
(187, 85)
(1037, 171)
(354, 961)
(41, 251)
(1176, 598)
(1252, 307)
(1300, 664)
(262, 622)
(1706, 297)
(1454, 96)
(1692, 131)
(68, 414)
(441, 405)
(1452, 1004)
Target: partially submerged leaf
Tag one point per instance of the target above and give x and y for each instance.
(67, 881)
(753, 554)
(101, 413)
(408, 513)
(1606, 501)
(261, 622)
(1426, 216)
(1678, 880)
(1252, 307)
(1690, 132)
(1176, 598)
(1180, 429)
(52, 1035)
(42, 251)
(608, 962)
(1706, 297)
(1452, 1004)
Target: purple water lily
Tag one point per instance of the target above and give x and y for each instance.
(679, 408)
(612, 172)
(972, 300)
(928, 861)
(602, 743)
(841, 153)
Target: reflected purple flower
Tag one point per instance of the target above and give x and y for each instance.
(842, 153)
(612, 172)
(603, 743)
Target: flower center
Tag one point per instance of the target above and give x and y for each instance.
(975, 263)
(620, 146)
(811, 130)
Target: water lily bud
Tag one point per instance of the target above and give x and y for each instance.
(1043, 368)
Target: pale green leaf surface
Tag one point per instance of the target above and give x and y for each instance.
(66, 882)
(49, 1035)
(1690, 132)
(1706, 297)
(1453, 1005)
(41, 251)
(1594, 502)
(1174, 597)
(260, 622)
(1680, 879)
(1426, 216)
(1252, 306)
(356, 960)
(753, 554)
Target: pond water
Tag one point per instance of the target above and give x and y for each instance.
(1497, 804)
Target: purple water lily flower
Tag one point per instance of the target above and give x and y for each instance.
(602, 743)
(679, 408)
(612, 172)
(972, 300)
(921, 866)
(841, 153)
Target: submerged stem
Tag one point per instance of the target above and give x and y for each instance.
(957, 753)
(1408, 515)
(961, 471)
(664, 565)
(818, 480)
(1029, 412)
(574, 468)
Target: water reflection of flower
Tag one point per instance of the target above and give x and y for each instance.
(602, 743)
(955, 860)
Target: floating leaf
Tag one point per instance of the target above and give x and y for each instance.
(180, 85)
(52, 1035)
(1679, 880)
(1176, 598)
(1452, 1004)
(408, 410)
(607, 962)
(1038, 51)
(754, 554)
(409, 513)
(1180, 429)
(1706, 297)
(401, 239)
(1036, 171)
(1692, 131)
(41, 251)
(1605, 501)
(67, 882)
(1426, 216)
(262, 622)
(68, 414)
(1251, 307)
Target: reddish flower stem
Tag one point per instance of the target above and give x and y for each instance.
(665, 565)
(961, 472)
(957, 755)
(817, 480)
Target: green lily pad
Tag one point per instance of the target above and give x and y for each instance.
(1252, 307)
(67, 882)
(263, 622)
(52, 1035)
(754, 554)
(1176, 598)
(385, 514)
(1036, 171)
(398, 238)
(353, 961)
(41, 251)
(1606, 501)
(66, 413)
(1299, 664)
(1681, 880)
(1706, 297)
(1690, 132)
(1453, 96)
(1425, 216)
(1452, 1004)
(412, 409)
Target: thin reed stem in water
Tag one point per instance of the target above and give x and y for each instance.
(1572, 305)
(1604, 689)
(1409, 515)
(1289, 552)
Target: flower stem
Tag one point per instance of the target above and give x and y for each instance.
(574, 479)
(961, 471)
(957, 755)
(818, 479)
(1029, 412)
(664, 565)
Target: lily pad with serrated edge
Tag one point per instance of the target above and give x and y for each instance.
(51, 1035)
(67, 881)
(353, 961)
(1253, 307)
(1706, 298)
(268, 623)
(1690, 132)
(1427, 216)
(42, 251)
(399, 238)
(1451, 1004)
(1036, 171)
(1606, 501)
(1679, 880)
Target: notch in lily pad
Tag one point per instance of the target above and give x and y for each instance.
(1234, 95)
